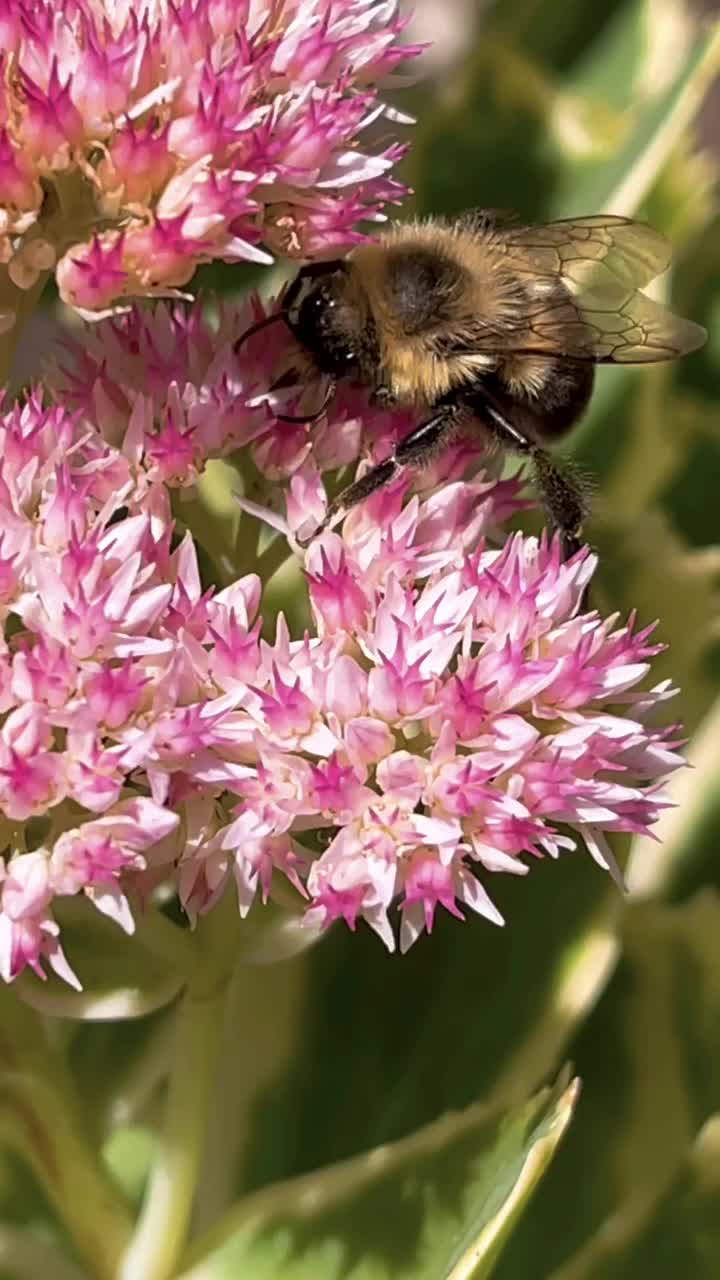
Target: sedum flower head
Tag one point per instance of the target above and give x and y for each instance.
(452, 711)
(138, 140)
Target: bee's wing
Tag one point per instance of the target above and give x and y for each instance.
(631, 252)
(601, 316)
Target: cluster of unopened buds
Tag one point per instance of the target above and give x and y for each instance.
(453, 710)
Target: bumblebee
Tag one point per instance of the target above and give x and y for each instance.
(484, 324)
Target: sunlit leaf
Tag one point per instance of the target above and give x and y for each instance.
(472, 1011)
(644, 1058)
(436, 1204)
(657, 126)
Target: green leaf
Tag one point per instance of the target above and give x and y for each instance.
(610, 66)
(514, 133)
(645, 1058)
(478, 1260)
(658, 125)
(498, 111)
(128, 1154)
(622, 184)
(670, 1187)
(645, 565)
(559, 43)
(472, 1011)
(662, 1234)
(437, 1205)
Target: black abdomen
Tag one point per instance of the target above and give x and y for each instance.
(539, 411)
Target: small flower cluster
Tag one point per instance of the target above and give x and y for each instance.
(450, 713)
(138, 140)
(473, 711)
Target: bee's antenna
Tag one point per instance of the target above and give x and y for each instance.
(255, 328)
(310, 417)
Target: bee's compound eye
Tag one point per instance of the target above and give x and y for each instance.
(309, 309)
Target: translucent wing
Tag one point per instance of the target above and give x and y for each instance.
(632, 253)
(583, 278)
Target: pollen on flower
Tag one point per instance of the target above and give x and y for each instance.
(139, 141)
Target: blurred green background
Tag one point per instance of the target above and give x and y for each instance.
(550, 108)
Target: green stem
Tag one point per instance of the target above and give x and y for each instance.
(25, 1257)
(142, 1081)
(165, 1217)
(23, 302)
(273, 558)
(166, 1212)
(169, 942)
(270, 999)
(41, 1119)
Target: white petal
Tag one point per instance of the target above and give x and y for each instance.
(603, 855)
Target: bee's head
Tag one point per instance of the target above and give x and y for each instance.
(319, 311)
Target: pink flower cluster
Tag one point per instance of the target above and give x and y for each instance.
(450, 713)
(138, 140)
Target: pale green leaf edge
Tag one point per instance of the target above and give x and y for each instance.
(649, 151)
(479, 1260)
(306, 1197)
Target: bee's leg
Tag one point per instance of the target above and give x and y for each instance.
(559, 488)
(427, 440)
(360, 490)
(417, 448)
(563, 498)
